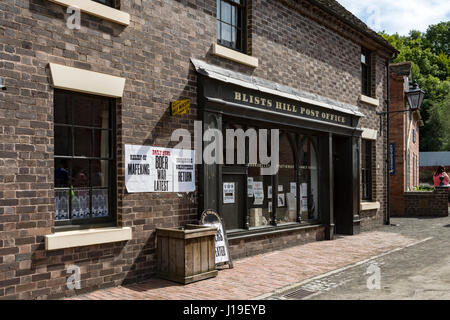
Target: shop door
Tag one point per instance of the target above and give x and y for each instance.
(342, 193)
(233, 206)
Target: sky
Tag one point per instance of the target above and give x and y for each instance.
(399, 16)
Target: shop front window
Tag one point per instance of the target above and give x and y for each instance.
(83, 158)
(270, 199)
(308, 180)
(259, 191)
(287, 181)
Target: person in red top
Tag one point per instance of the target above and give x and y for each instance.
(441, 175)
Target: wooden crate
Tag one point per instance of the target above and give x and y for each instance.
(187, 254)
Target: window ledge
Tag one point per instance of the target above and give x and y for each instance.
(373, 205)
(369, 100)
(233, 55)
(269, 230)
(78, 238)
(369, 134)
(98, 10)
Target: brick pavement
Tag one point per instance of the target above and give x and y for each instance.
(254, 276)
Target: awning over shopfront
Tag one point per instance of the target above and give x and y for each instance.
(273, 88)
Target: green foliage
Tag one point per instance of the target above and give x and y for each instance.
(429, 53)
(438, 37)
(424, 188)
(440, 116)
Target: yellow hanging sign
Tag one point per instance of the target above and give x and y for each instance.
(180, 107)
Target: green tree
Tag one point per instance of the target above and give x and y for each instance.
(440, 118)
(438, 37)
(430, 57)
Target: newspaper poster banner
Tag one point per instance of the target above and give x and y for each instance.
(228, 192)
(258, 192)
(157, 169)
(249, 187)
(183, 170)
(161, 172)
(138, 161)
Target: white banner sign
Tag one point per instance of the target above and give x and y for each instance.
(221, 247)
(258, 191)
(155, 169)
(250, 187)
(228, 192)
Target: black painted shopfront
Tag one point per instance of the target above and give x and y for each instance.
(318, 177)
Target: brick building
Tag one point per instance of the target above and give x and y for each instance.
(76, 99)
(403, 137)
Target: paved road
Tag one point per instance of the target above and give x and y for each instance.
(418, 271)
(258, 276)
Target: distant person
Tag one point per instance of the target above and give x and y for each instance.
(440, 177)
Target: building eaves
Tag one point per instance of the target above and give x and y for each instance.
(401, 68)
(334, 8)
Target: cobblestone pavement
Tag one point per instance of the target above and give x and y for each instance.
(418, 271)
(256, 276)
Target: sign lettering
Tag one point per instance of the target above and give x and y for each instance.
(299, 109)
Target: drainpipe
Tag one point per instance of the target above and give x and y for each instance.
(388, 213)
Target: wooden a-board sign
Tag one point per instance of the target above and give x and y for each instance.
(211, 218)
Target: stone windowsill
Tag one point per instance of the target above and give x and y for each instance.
(369, 134)
(270, 230)
(369, 100)
(78, 238)
(98, 10)
(233, 55)
(372, 205)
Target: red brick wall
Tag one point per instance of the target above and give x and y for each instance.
(379, 167)
(397, 134)
(153, 54)
(427, 204)
(401, 126)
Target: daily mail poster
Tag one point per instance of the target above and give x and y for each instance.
(155, 169)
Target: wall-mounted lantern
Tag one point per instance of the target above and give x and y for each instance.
(415, 97)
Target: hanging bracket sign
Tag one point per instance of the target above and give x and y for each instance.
(212, 219)
(180, 107)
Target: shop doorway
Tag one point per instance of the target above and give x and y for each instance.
(342, 179)
(233, 201)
